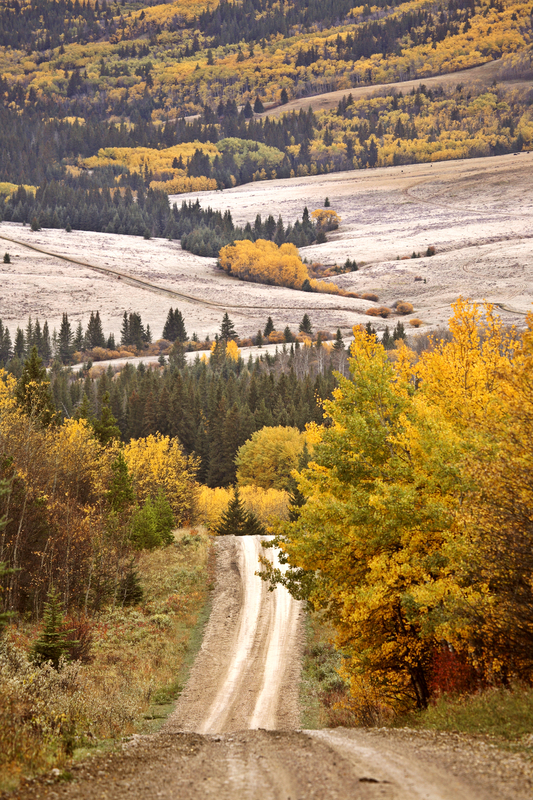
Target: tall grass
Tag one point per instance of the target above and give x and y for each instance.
(137, 660)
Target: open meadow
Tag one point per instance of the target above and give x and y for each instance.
(477, 214)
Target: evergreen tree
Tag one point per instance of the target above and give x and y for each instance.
(19, 350)
(125, 330)
(258, 106)
(120, 495)
(79, 339)
(238, 521)
(5, 344)
(53, 643)
(106, 428)
(287, 335)
(269, 327)
(169, 329)
(338, 344)
(94, 335)
(387, 340)
(305, 325)
(65, 342)
(227, 329)
(46, 346)
(33, 392)
(398, 332)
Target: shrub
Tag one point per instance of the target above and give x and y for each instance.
(418, 278)
(7, 258)
(430, 251)
(370, 296)
(379, 311)
(404, 308)
(415, 322)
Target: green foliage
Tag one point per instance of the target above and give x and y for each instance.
(7, 258)
(305, 325)
(53, 643)
(33, 392)
(106, 428)
(152, 524)
(120, 495)
(237, 521)
(130, 591)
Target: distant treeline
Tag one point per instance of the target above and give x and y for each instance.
(203, 232)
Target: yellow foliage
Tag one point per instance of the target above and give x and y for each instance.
(269, 505)
(326, 219)
(158, 462)
(264, 262)
(268, 458)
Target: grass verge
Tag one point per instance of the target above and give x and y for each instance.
(323, 693)
(504, 714)
(139, 661)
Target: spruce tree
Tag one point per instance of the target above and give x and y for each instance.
(338, 344)
(65, 342)
(33, 392)
(387, 340)
(53, 643)
(19, 350)
(125, 330)
(106, 428)
(227, 329)
(269, 327)
(169, 328)
(94, 335)
(237, 521)
(305, 325)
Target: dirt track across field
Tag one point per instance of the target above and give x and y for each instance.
(234, 732)
(485, 74)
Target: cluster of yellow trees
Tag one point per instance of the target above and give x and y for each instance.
(416, 535)
(463, 122)
(263, 261)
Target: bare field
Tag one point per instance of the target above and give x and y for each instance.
(476, 213)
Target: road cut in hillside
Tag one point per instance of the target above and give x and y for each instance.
(233, 735)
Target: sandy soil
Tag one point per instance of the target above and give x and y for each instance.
(245, 681)
(477, 213)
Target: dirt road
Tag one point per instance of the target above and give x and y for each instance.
(245, 680)
(246, 674)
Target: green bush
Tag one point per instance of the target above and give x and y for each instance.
(152, 524)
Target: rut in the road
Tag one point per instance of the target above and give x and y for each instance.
(247, 672)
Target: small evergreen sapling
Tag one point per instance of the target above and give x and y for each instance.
(237, 521)
(53, 643)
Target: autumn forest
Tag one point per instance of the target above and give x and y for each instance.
(391, 466)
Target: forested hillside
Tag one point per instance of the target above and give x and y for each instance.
(96, 94)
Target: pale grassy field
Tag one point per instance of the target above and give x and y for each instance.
(476, 213)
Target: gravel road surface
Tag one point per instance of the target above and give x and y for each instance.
(234, 731)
